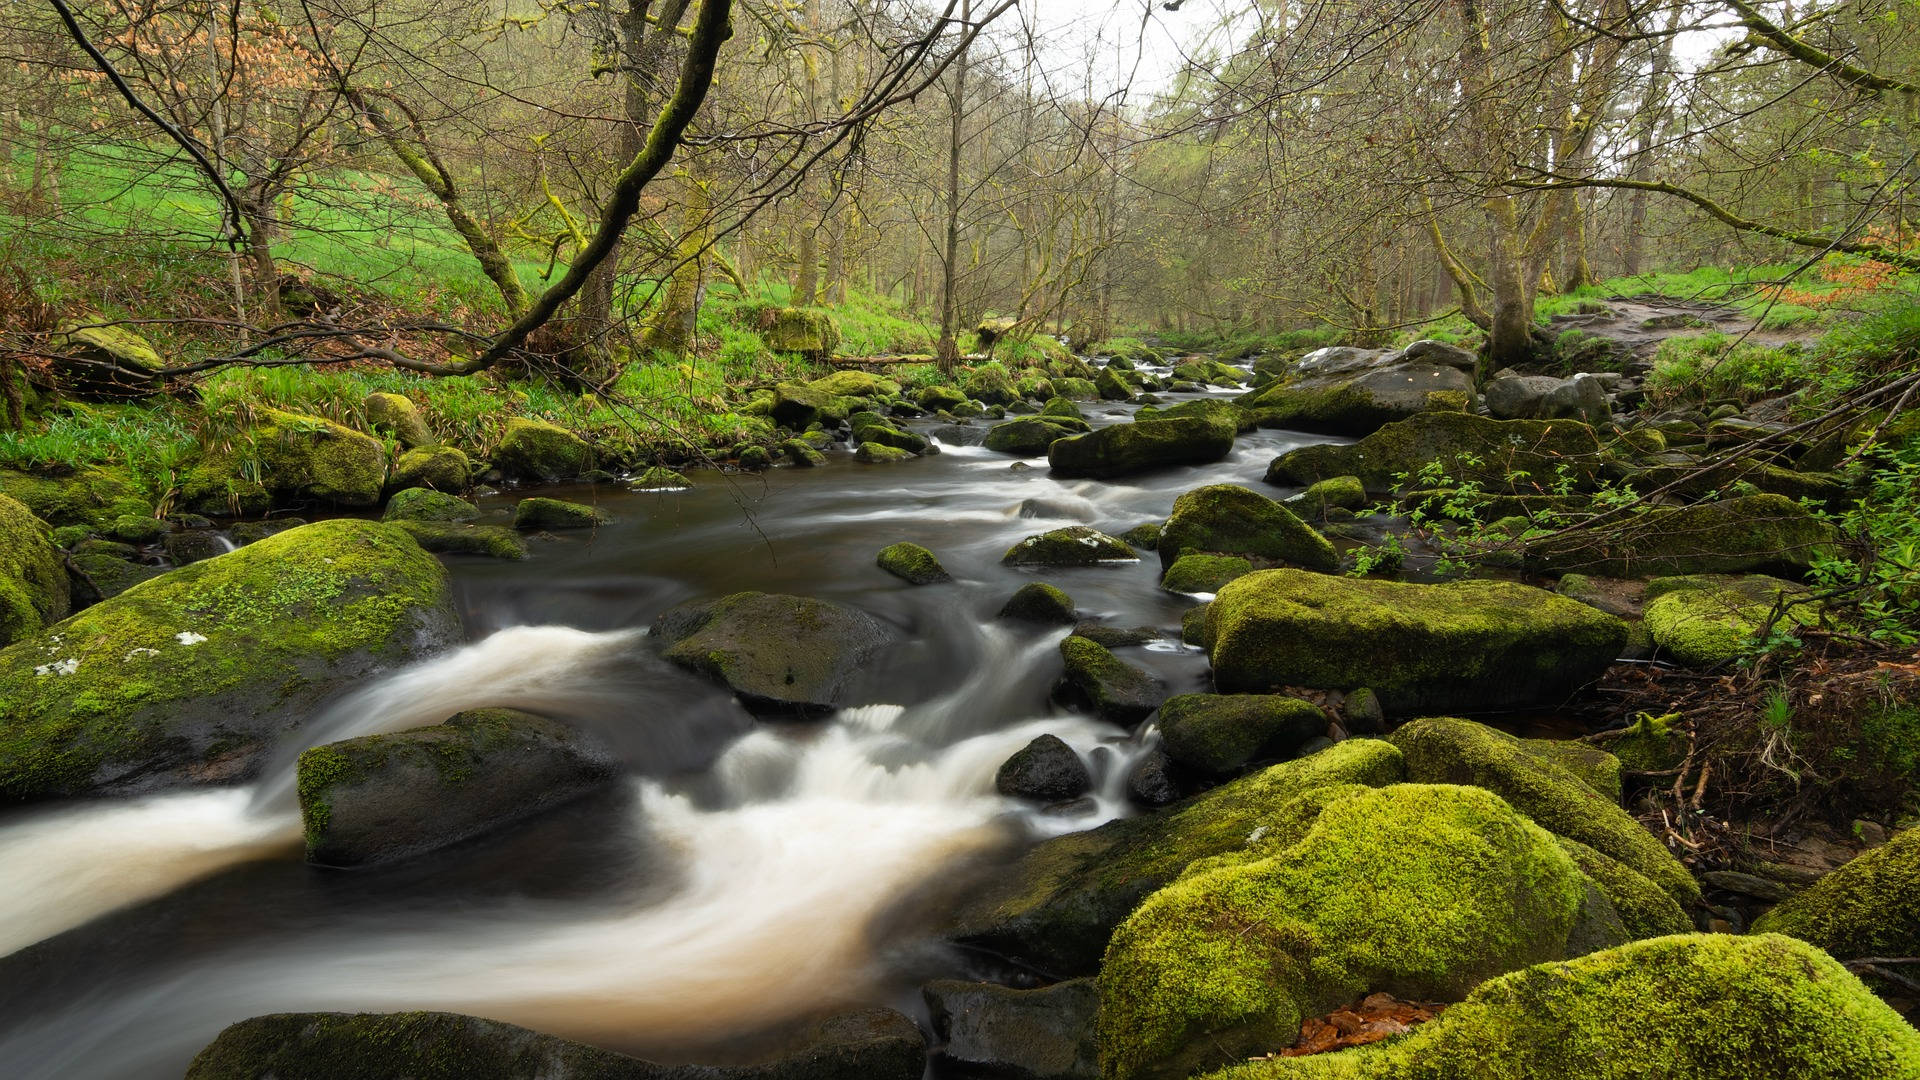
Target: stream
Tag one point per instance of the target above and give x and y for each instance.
(743, 875)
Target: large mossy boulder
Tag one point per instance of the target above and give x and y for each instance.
(536, 451)
(856, 384)
(1075, 545)
(1869, 907)
(381, 798)
(778, 653)
(34, 591)
(808, 331)
(1705, 620)
(1685, 1007)
(95, 498)
(860, 1044)
(185, 678)
(1421, 891)
(1054, 909)
(543, 513)
(454, 538)
(1349, 391)
(396, 416)
(1767, 534)
(1446, 750)
(1113, 688)
(285, 457)
(1221, 734)
(426, 504)
(1460, 646)
(105, 363)
(442, 468)
(1030, 436)
(1203, 409)
(1125, 449)
(1473, 448)
(1227, 519)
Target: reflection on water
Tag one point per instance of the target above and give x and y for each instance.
(737, 880)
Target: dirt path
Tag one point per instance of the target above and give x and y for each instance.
(1641, 323)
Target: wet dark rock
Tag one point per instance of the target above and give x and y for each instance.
(1124, 449)
(1220, 734)
(1349, 391)
(1759, 888)
(778, 653)
(193, 546)
(1044, 770)
(1044, 1034)
(1030, 436)
(1116, 690)
(1503, 447)
(1117, 637)
(1075, 545)
(381, 798)
(1152, 780)
(452, 538)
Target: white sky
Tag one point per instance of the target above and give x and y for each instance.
(1133, 43)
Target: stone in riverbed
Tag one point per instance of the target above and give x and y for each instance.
(534, 450)
(34, 591)
(874, 453)
(1466, 645)
(453, 538)
(381, 798)
(185, 678)
(1471, 448)
(544, 513)
(1116, 690)
(1124, 449)
(661, 478)
(1075, 545)
(777, 653)
(1039, 602)
(1046, 770)
(1220, 734)
(396, 415)
(912, 564)
(1055, 907)
(1202, 574)
(1226, 519)
(1705, 620)
(1044, 1034)
(424, 504)
(1348, 391)
(1030, 436)
(105, 363)
(442, 468)
(284, 457)
(1750, 534)
(859, 1044)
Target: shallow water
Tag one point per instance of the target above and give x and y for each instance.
(744, 875)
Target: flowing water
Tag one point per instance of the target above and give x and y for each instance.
(744, 874)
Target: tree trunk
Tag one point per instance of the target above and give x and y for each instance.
(672, 327)
(948, 350)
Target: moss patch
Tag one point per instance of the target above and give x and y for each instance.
(33, 576)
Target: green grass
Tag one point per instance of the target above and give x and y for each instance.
(1711, 366)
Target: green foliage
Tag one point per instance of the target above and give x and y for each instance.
(1713, 365)
(149, 443)
(1877, 567)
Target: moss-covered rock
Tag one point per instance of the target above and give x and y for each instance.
(1349, 391)
(661, 478)
(1232, 520)
(1061, 408)
(534, 450)
(1055, 908)
(1076, 389)
(1452, 751)
(105, 363)
(33, 576)
(989, 385)
(379, 798)
(396, 416)
(97, 576)
(1039, 602)
(1202, 574)
(874, 453)
(1595, 767)
(212, 660)
(802, 453)
(454, 538)
(1030, 436)
(92, 498)
(1145, 535)
(938, 398)
(442, 468)
(1115, 689)
(1705, 620)
(1220, 734)
(778, 653)
(287, 457)
(1686, 1007)
(425, 504)
(862, 1044)
(871, 428)
(1645, 909)
(856, 384)
(1469, 644)
(1124, 449)
(912, 564)
(1110, 384)
(1750, 534)
(808, 331)
(545, 513)
(1075, 545)
(1471, 447)
(1343, 492)
(1202, 409)
(1869, 907)
(1422, 891)
(1043, 1034)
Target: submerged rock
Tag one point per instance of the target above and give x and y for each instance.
(544, 513)
(1687, 1007)
(1220, 734)
(1750, 534)
(1421, 648)
(1039, 602)
(1868, 907)
(1421, 891)
(380, 798)
(1044, 1034)
(778, 653)
(1046, 770)
(912, 564)
(1349, 391)
(1226, 519)
(1055, 907)
(1124, 449)
(184, 678)
(1075, 545)
(534, 450)
(862, 1044)
(1115, 689)
(33, 576)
